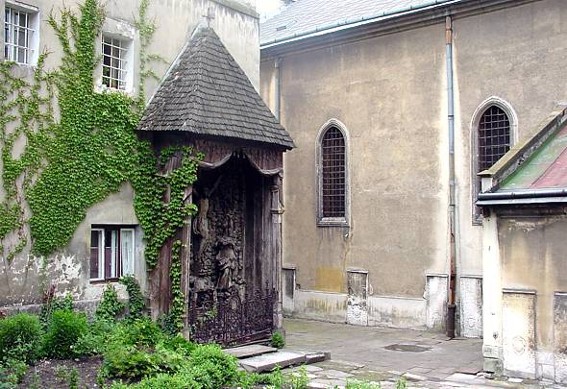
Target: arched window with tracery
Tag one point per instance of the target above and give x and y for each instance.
(493, 135)
(333, 183)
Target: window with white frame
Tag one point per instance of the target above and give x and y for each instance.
(116, 62)
(332, 175)
(21, 29)
(111, 252)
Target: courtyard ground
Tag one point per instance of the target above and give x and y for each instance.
(425, 359)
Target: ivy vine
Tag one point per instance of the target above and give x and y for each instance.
(75, 159)
(57, 165)
(177, 297)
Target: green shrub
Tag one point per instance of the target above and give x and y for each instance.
(95, 340)
(179, 344)
(277, 340)
(160, 381)
(212, 367)
(128, 362)
(11, 373)
(136, 300)
(65, 329)
(142, 333)
(20, 337)
(51, 303)
(109, 307)
(139, 348)
(132, 364)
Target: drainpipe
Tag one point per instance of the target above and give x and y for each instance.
(277, 88)
(451, 303)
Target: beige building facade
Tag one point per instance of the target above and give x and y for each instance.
(407, 88)
(24, 277)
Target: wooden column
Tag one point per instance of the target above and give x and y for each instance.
(276, 211)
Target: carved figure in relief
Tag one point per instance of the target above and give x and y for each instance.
(226, 262)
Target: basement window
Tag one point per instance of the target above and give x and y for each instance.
(111, 252)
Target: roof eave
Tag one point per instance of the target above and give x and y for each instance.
(385, 24)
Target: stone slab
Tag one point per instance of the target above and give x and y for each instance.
(250, 351)
(267, 362)
(317, 357)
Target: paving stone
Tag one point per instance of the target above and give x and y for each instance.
(420, 370)
(414, 377)
(326, 384)
(460, 377)
(312, 369)
(250, 351)
(469, 370)
(335, 374)
(267, 362)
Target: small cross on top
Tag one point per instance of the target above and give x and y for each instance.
(210, 16)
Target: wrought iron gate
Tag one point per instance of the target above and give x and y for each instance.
(231, 317)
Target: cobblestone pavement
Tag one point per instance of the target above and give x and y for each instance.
(384, 355)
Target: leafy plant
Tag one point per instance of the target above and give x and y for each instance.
(109, 307)
(220, 367)
(52, 303)
(11, 373)
(299, 379)
(20, 337)
(401, 383)
(95, 340)
(136, 300)
(277, 340)
(64, 330)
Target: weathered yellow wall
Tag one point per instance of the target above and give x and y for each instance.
(375, 87)
(532, 251)
(390, 92)
(518, 55)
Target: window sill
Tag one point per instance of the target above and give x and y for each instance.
(332, 222)
(103, 281)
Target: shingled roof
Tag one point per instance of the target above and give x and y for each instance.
(305, 18)
(206, 93)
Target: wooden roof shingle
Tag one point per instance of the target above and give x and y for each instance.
(207, 93)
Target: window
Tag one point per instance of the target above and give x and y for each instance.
(116, 63)
(112, 252)
(333, 187)
(20, 34)
(493, 135)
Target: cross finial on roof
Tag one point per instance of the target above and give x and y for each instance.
(209, 16)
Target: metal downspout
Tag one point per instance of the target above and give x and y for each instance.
(451, 303)
(277, 99)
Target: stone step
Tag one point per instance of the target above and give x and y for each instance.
(267, 362)
(250, 350)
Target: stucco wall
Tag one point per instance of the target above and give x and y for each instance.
(390, 92)
(532, 260)
(518, 55)
(396, 160)
(236, 23)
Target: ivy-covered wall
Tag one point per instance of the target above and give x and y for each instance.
(70, 156)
